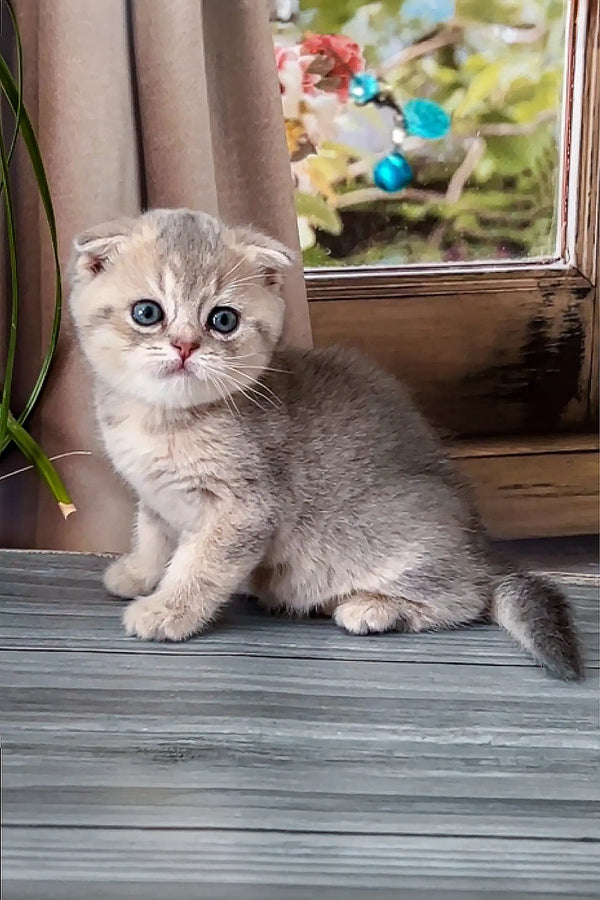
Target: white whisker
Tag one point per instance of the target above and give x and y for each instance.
(221, 396)
(233, 268)
(275, 403)
(243, 388)
(215, 379)
(248, 397)
(237, 281)
(252, 380)
(51, 458)
(265, 368)
(226, 397)
(236, 407)
(233, 360)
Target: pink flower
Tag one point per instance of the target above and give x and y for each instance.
(339, 59)
(292, 68)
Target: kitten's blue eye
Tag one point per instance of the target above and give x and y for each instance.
(147, 312)
(223, 319)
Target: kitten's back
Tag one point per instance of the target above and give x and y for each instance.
(341, 402)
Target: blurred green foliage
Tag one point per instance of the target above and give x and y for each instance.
(488, 190)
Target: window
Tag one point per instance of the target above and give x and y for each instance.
(488, 190)
(477, 284)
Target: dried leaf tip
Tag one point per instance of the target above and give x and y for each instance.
(67, 508)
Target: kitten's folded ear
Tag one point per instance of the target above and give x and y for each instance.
(94, 248)
(272, 257)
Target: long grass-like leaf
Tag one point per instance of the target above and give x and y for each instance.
(32, 451)
(19, 48)
(12, 429)
(13, 95)
(14, 289)
(5, 403)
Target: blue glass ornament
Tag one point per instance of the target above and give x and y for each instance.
(364, 87)
(392, 173)
(426, 119)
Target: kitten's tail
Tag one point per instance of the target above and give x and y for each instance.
(537, 614)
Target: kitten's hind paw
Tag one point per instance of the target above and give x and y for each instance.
(126, 578)
(156, 618)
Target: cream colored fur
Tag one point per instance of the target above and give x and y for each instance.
(311, 474)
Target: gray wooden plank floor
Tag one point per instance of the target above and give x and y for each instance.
(285, 760)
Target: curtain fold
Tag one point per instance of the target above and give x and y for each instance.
(139, 103)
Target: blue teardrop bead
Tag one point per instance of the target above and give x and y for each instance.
(426, 119)
(392, 173)
(363, 87)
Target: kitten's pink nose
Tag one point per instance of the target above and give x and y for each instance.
(184, 348)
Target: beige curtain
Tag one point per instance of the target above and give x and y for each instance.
(136, 104)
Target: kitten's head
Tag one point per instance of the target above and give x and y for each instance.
(175, 308)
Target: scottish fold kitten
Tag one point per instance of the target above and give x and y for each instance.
(310, 473)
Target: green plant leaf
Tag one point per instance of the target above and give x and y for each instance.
(19, 50)
(516, 154)
(14, 289)
(329, 168)
(318, 213)
(338, 149)
(480, 89)
(13, 95)
(492, 12)
(32, 451)
(542, 97)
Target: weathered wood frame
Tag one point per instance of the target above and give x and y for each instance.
(502, 350)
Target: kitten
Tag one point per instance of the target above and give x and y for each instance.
(309, 472)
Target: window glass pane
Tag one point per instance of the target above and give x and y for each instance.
(487, 190)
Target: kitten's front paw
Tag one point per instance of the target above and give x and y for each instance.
(160, 618)
(126, 577)
(365, 616)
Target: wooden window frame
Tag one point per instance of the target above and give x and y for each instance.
(504, 356)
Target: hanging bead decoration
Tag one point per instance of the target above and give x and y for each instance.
(363, 88)
(419, 117)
